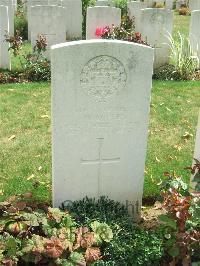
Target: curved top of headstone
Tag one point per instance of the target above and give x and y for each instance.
(101, 41)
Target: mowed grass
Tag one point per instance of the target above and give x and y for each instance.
(25, 139)
(25, 132)
(25, 136)
(181, 24)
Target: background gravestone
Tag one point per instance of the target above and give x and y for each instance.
(194, 5)
(169, 4)
(4, 46)
(197, 147)
(11, 13)
(156, 25)
(180, 3)
(48, 21)
(31, 3)
(149, 3)
(100, 108)
(100, 17)
(102, 3)
(73, 18)
(195, 31)
(134, 10)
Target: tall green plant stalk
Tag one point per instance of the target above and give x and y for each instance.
(183, 57)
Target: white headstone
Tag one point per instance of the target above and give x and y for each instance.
(134, 10)
(195, 31)
(149, 3)
(194, 5)
(101, 97)
(180, 3)
(100, 17)
(48, 21)
(31, 3)
(156, 25)
(159, 2)
(169, 4)
(73, 18)
(4, 46)
(102, 3)
(14, 2)
(197, 147)
(11, 13)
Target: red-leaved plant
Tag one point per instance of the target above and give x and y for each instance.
(182, 235)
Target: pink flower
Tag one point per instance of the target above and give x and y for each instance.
(100, 31)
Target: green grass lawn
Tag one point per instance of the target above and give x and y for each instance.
(181, 24)
(25, 136)
(25, 132)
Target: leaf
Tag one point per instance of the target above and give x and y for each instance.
(157, 160)
(196, 177)
(11, 247)
(168, 221)
(187, 135)
(30, 177)
(44, 116)
(11, 137)
(92, 254)
(174, 252)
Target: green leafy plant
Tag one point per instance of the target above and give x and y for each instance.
(20, 22)
(184, 11)
(126, 32)
(122, 4)
(38, 234)
(129, 241)
(183, 58)
(35, 66)
(159, 5)
(195, 171)
(182, 238)
(85, 5)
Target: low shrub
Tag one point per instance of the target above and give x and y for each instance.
(181, 223)
(184, 11)
(32, 234)
(7, 76)
(126, 32)
(183, 58)
(159, 5)
(130, 243)
(166, 72)
(35, 66)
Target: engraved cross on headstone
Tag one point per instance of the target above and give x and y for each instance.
(99, 161)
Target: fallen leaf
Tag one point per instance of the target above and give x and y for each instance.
(187, 135)
(1, 192)
(12, 137)
(30, 177)
(178, 147)
(168, 109)
(157, 205)
(157, 160)
(44, 116)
